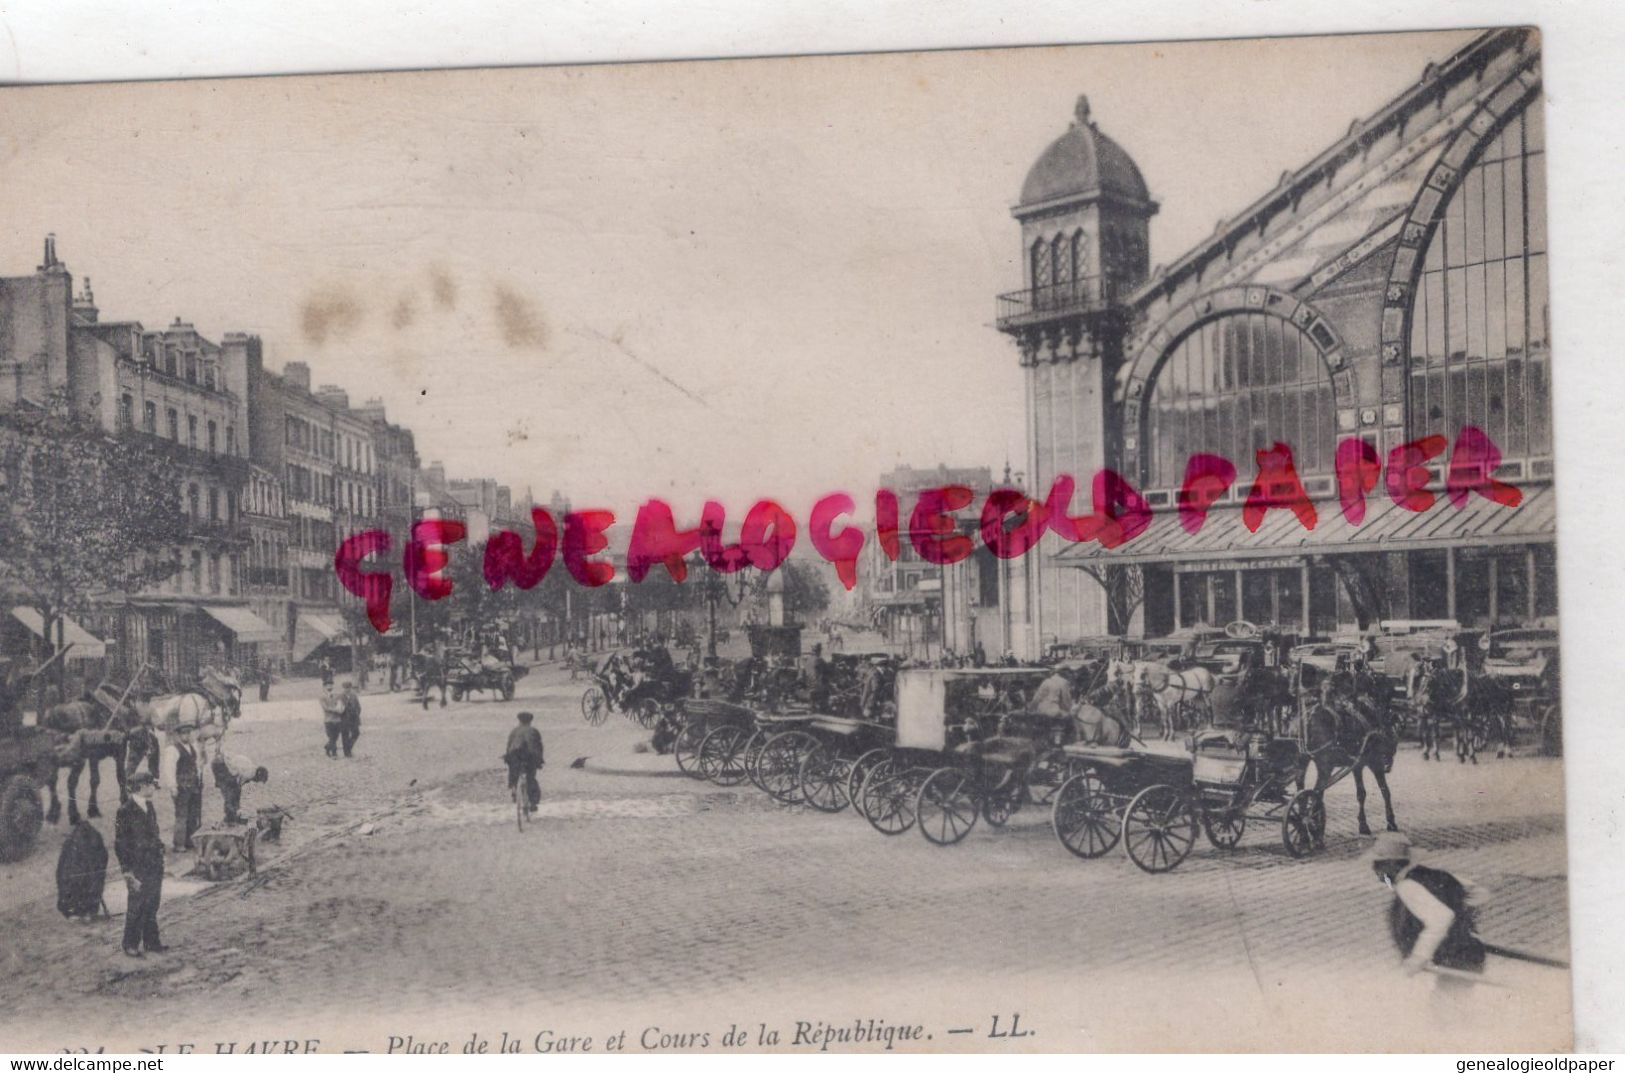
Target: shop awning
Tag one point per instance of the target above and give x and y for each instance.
(906, 598)
(243, 623)
(312, 631)
(81, 644)
(1386, 527)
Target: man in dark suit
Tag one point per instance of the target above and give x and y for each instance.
(350, 723)
(140, 851)
(188, 789)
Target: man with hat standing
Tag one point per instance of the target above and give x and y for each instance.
(1430, 919)
(186, 783)
(350, 717)
(140, 851)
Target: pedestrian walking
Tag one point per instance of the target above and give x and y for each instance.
(140, 852)
(350, 724)
(233, 771)
(326, 670)
(1430, 919)
(186, 783)
(524, 756)
(332, 718)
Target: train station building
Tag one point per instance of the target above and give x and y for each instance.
(1392, 288)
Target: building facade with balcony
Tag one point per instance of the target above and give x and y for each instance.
(1391, 289)
(906, 597)
(186, 395)
(267, 573)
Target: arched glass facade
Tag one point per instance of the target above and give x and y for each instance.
(1480, 321)
(1236, 385)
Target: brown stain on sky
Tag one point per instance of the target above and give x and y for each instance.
(442, 287)
(404, 313)
(522, 324)
(333, 313)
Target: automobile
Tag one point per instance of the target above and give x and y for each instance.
(1527, 660)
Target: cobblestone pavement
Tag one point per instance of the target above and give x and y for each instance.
(403, 895)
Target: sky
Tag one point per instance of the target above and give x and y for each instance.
(729, 280)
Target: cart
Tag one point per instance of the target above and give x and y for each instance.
(1155, 802)
(468, 675)
(966, 747)
(846, 748)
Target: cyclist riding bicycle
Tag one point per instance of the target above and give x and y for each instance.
(524, 756)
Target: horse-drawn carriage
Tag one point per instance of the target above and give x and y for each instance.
(1254, 768)
(1527, 661)
(644, 687)
(967, 746)
(1155, 802)
(467, 674)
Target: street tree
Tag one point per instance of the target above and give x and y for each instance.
(84, 516)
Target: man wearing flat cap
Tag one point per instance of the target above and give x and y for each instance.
(1430, 919)
(140, 851)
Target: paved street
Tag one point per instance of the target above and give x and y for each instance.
(403, 901)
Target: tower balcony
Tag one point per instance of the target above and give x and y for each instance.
(1032, 306)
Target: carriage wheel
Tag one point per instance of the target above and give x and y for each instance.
(456, 693)
(888, 799)
(860, 770)
(778, 767)
(685, 749)
(946, 806)
(1049, 773)
(1159, 828)
(823, 779)
(1224, 826)
(1082, 816)
(594, 705)
(1551, 731)
(646, 712)
(722, 761)
(1303, 828)
(753, 754)
(1002, 800)
(20, 817)
(1478, 727)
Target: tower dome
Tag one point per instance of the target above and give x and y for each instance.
(1083, 163)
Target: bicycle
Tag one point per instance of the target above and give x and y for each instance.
(520, 791)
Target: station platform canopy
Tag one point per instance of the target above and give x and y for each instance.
(1385, 527)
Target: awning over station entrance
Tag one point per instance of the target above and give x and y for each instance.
(246, 626)
(1386, 527)
(82, 645)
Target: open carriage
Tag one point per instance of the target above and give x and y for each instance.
(967, 746)
(467, 674)
(1154, 803)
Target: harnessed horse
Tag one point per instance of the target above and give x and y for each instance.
(99, 726)
(1178, 697)
(209, 709)
(1455, 695)
(1346, 729)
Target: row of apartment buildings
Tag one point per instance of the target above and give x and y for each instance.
(276, 473)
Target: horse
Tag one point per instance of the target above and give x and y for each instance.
(429, 670)
(80, 725)
(1095, 723)
(1262, 695)
(1468, 702)
(1171, 693)
(209, 710)
(1340, 731)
